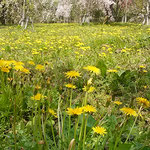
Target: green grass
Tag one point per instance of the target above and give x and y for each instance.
(121, 52)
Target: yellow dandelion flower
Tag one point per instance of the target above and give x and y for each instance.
(5, 63)
(4, 69)
(25, 70)
(75, 111)
(70, 111)
(117, 102)
(70, 86)
(37, 97)
(78, 111)
(92, 69)
(48, 80)
(52, 112)
(99, 130)
(141, 66)
(39, 67)
(123, 51)
(88, 89)
(2, 63)
(104, 54)
(112, 70)
(38, 87)
(89, 81)
(145, 71)
(128, 111)
(91, 89)
(19, 63)
(31, 63)
(85, 88)
(72, 74)
(89, 108)
(143, 101)
(18, 67)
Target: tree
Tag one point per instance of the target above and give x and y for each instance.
(24, 11)
(2, 12)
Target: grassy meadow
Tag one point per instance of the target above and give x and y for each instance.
(75, 87)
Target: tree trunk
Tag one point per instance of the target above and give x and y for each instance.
(125, 18)
(23, 19)
(147, 12)
(2, 17)
(126, 7)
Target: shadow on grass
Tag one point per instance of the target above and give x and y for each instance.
(7, 25)
(116, 24)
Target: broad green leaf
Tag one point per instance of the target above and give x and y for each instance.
(124, 147)
(102, 66)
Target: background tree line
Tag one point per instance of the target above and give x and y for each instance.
(47, 11)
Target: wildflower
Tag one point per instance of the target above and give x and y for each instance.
(123, 51)
(103, 48)
(72, 74)
(77, 53)
(51, 111)
(4, 69)
(18, 67)
(38, 87)
(70, 86)
(142, 67)
(19, 63)
(37, 97)
(5, 63)
(25, 70)
(128, 111)
(92, 69)
(35, 52)
(145, 71)
(88, 89)
(118, 102)
(75, 111)
(99, 130)
(143, 101)
(48, 80)
(89, 81)
(118, 67)
(104, 54)
(9, 79)
(39, 67)
(31, 63)
(89, 108)
(112, 70)
(91, 89)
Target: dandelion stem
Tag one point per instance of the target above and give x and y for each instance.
(81, 131)
(83, 120)
(63, 122)
(53, 132)
(85, 99)
(14, 126)
(76, 126)
(44, 132)
(70, 116)
(96, 148)
(59, 123)
(133, 125)
(85, 131)
(117, 140)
